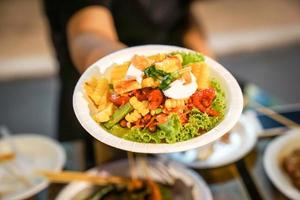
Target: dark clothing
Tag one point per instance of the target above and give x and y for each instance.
(137, 22)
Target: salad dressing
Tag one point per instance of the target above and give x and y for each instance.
(179, 90)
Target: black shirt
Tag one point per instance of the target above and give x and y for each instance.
(137, 21)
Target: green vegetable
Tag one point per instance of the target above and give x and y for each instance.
(219, 102)
(101, 193)
(119, 131)
(118, 192)
(190, 57)
(161, 134)
(146, 137)
(171, 128)
(142, 135)
(198, 123)
(119, 114)
(166, 193)
(158, 110)
(155, 73)
(172, 125)
(168, 79)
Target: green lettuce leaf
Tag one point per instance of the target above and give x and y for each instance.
(171, 128)
(219, 102)
(142, 135)
(190, 57)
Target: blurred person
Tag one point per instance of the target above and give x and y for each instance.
(82, 31)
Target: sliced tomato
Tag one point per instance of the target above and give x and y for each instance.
(212, 112)
(118, 100)
(155, 99)
(203, 99)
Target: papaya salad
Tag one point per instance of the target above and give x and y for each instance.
(163, 98)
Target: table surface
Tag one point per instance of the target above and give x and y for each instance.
(244, 179)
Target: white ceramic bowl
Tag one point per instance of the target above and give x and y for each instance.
(276, 151)
(35, 152)
(232, 90)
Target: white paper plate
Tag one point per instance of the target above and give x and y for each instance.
(243, 138)
(273, 156)
(35, 152)
(199, 189)
(232, 90)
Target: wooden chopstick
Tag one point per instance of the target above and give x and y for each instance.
(132, 165)
(7, 156)
(69, 176)
(276, 116)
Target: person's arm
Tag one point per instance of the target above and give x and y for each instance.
(91, 35)
(195, 37)
(196, 40)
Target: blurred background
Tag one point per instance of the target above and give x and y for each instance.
(258, 41)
